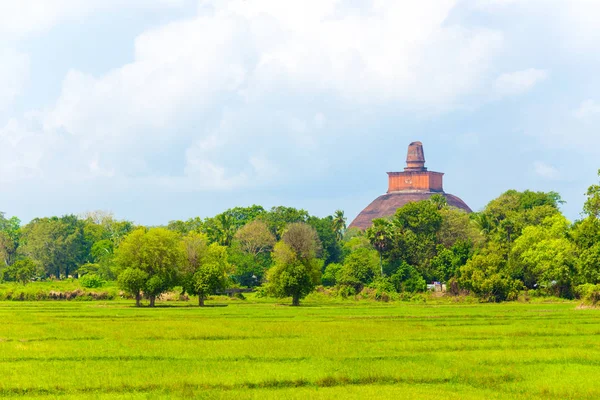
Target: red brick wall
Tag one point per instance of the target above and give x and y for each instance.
(421, 180)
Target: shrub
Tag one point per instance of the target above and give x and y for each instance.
(590, 294)
(330, 274)
(408, 279)
(91, 281)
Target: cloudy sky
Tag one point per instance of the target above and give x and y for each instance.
(168, 109)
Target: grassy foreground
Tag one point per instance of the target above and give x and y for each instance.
(320, 350)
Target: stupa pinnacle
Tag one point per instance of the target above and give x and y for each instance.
(415, 183)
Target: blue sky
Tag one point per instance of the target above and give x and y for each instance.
(168, 109)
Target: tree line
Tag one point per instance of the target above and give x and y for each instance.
(519, 243)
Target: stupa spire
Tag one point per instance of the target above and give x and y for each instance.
(415, 158)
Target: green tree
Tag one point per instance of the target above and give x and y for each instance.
(408, 279)
(544, 255)
(331, 250)
(23, 271)
(10, 232)
(133, 281)
(250, 252)
(380, 236)
(58, 244)
(592, 203)
(184, 227)
(157, 253)
(486, 277)
(278, 218)
(293, 274)
(339, 224)
(204, 268)
(359, 269)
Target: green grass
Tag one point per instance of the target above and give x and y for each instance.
(262, 349)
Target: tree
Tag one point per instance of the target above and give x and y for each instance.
(592, 203)
(407, 279)
(58, 244)
(413, 236)
(484, 275)
(339, 224)
(23, 271)
(359, 269)
(255, 238)
(184, 227)
(211, 276)
(293, 274)
(204, 268)
(133, 281)
(155, 252)
(303, 239)
(250, 253)
(330, 246)
(544, 256)
(10, 232)
(457, 226)
(278, 218)
(380, 236)
(221, 229)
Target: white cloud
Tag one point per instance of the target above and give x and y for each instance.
(23, 17)
(587, 109)
(14, 73)
(220, 67)
(546, 171)
(519, 82)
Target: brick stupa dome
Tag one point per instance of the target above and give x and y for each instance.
(415, 183)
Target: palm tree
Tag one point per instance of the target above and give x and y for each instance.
(339, 224)
(379, 235)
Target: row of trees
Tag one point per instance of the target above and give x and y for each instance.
(519, 242)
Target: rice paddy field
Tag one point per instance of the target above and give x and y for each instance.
(267, 350)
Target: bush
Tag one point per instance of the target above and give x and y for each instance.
(590, 294)
(408, 279)
(330, 274)
(91, 281)
(346, 291)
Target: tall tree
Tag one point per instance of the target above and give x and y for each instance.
(339, 224)
(152, 257)
(10, 232)
(205, 267)
(297, 270)
(292, 275)
(58, 244)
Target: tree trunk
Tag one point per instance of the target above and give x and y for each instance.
(201, 300)
(138, 298)
(296, 300)
(152, 300)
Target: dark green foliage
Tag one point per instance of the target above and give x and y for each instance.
(58, 244)
(326, 230)
(330, 274)
(278, 218)
(407, 279)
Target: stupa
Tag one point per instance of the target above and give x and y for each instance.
(415, 183)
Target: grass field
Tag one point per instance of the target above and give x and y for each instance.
(320, 350)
